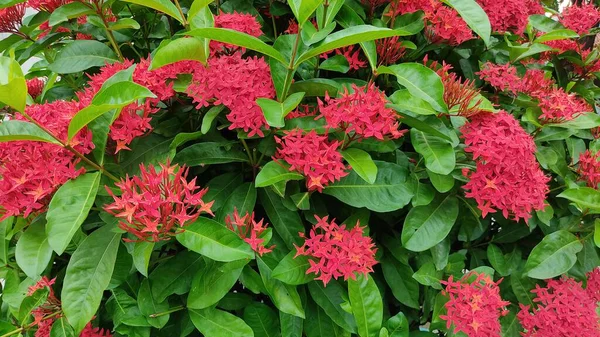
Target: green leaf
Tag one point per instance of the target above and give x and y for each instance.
(87, 115)
(285, 297)
(474, 16)
(397, 325)
(597, 232)
(274, 172)
(310, 35)
(80, 55)
(181, 49)
(69, 11)
(287, 223)
(293, 270)
(209, 117)
(209, 153)
(558, 34)
(14, 130)
(125, 310)
(587, 120)
(403, 100)
(426, 226)
(584, 197)
(318, 324)
(239, 39)
(68, 209)
(33, 253)
(262, 319)
(141, 256)
(510, 325)
(243, 198)
(120, 94)
(13, 88)
(347, 37)
(164, 6)
(303, 9)
(420, 81)
(427, 275)
(148, 306)
(338, 63)
(61, 328)
(275, 112)
(221, 187)
(330, 299)
(497, 260)
(88, 275)
(213, 282)
(5, 226)
(442, 183)
(367, 305)
(438, 154)
(544, 23)
(361, 163)
(347, 17)
(389, 192)
(524, 51)
(217, 323)
(175, 275)
(399, 278)
(215, 241)
(554, 256)
(29, 303)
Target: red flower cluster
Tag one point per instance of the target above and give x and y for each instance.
(352, 55)
(11, 18)
(35, 86)
(444, 24)
(593, 284)
(474, 307)
(389, 50)
(336, 251)
(457, 94)
(249, 230)
(47, 5)
(580, 18)
(361, 114)
(51, 306)
(90, 331)
(303, 110)
(507, 176)
(245, 23)
(589, 168)
(313, 156)
(236, 83)
(510, 15)
(30, 172)
(563, 309)
(157, 205)
(559, 106)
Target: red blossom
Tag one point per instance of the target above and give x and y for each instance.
(458, 94)
(474, 307)
(389, 50)
(11, 18)
(90, 331)
(502, 77)
(236, 83)
(507, 175)
(157, 205)
(46, 29)
(48, 308)
(589, 168)
(312, 155)
(580, 18)
(47, 5)
(292, 27)
(245, 23)
(559, 106)
(362, 113)
(303, 110)
(30, 172)
(352, 55)
(593, 284)
(510, 15)
(249, 230)
(35, 86)
(335, 251)
(563, 309)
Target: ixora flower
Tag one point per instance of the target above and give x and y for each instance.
(35, 86)
(361, 114)
(249, 230)
(563, 309)
(589, 168)
(312, 155)
(47, 5)
(42, 315)
(580, 18)
(352, 55)
(245, 23)
(11, 18)
(474, 306)
(510, 15)
(593, 284)
(335, 251)
(30, 172)
(157, 205)
(507, 176)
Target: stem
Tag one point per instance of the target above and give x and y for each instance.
(273, 20)
(325, 6)
(185, 23)
(248, 152)
(109, 33)
(290, 71)
(158, 314)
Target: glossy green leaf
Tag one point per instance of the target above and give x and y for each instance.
(30, 302)
(181, 49)
(80, 55)
(275, 112)
(242, 199)
(68, 209)
(426, 226)
(88, 275)
(149, 306)
(361, 163)
(164, 6)
(124, 23)
(554, 256)
(209, 117)
(121, 93)
(319, 324)
(427, 275)
(287, 223)
(215, 241)
(221, 187)
(217, 323)
(338, 63)
(209, 153)
(390, 191)
(404, 100)
(142, 251)
(330, 299)
(124, 310)
(497, 260)
(597, 232)
(69, 11)
(33, 253)
(61, 328)
(292, 270)
(175, 275)
(420, 81)
(310, 35)
(397, 325)
(213, 282)
(584, 197)
(303, 9)
(87, 115)
(367, 305)
(262, 319)
(438, 154)
(474, 16)
(285, 297)
(14, 130)
(274, 172)
(587, 120)
(399, 277)
(558, 34)
(13, 88)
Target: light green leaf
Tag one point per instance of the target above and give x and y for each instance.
(584, 197)
(274, 172)
(61, 328)
(367, 305)
(69, 11)
(303, 9)
(427, 275)
(164, 6)
(554, 256)
(262, 319)
(13, 88)
(124, 23)
(404, 100)
(361, 163)
(185, 48)
(438, 154)
(292, 270)
(213, 322)
(587, 120)
(275, 112)
(121, 93)
(80, 55)
(33, 253)
(142, 251)
(209, 117)
(474, 16)
(397, 325)
(558, 34)
(14, 130)
(426, 226)
(213, 282)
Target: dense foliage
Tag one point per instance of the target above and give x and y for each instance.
(374, 168)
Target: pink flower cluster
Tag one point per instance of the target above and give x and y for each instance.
(593, 284)
(589, 168)
(30, 172)
(510, 15)
(507, 176)
(580, 18)
(389, 50)
(474, 307)
(559, 106)
(312, 155)
(361, 114)
(352, 54)
(157, 205)
(47, 5)
(11, 18)
(335, 251)
(35, 86)
(563, 309)
(249, 230)
(245, 23)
